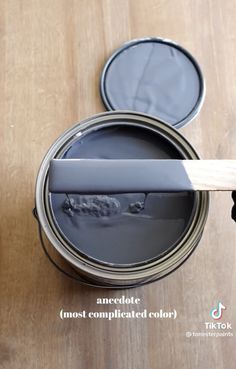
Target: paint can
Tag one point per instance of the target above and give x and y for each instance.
(121, 240)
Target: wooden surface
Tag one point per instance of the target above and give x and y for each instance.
(52, 53)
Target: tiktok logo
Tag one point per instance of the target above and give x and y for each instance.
(216, 313)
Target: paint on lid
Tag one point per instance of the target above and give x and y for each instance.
(154, 76)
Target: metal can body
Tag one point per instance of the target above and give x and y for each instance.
(92, 270)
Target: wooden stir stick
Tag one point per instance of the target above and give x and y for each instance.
(104, 176)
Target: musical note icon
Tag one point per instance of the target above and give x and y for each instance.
(216, 313)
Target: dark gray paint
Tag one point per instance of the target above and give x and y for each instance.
(117, 176)
(156, 77)
(125, 236)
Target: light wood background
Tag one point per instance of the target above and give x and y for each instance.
(51, 55)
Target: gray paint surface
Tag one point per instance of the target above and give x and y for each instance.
(154, 78)
(134, 227)
(103, 176)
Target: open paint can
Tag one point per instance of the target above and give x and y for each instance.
(128, 239)
(121, 239)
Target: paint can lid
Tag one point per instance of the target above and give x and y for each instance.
(154, 76)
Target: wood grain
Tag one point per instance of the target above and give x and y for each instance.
(52, 53)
